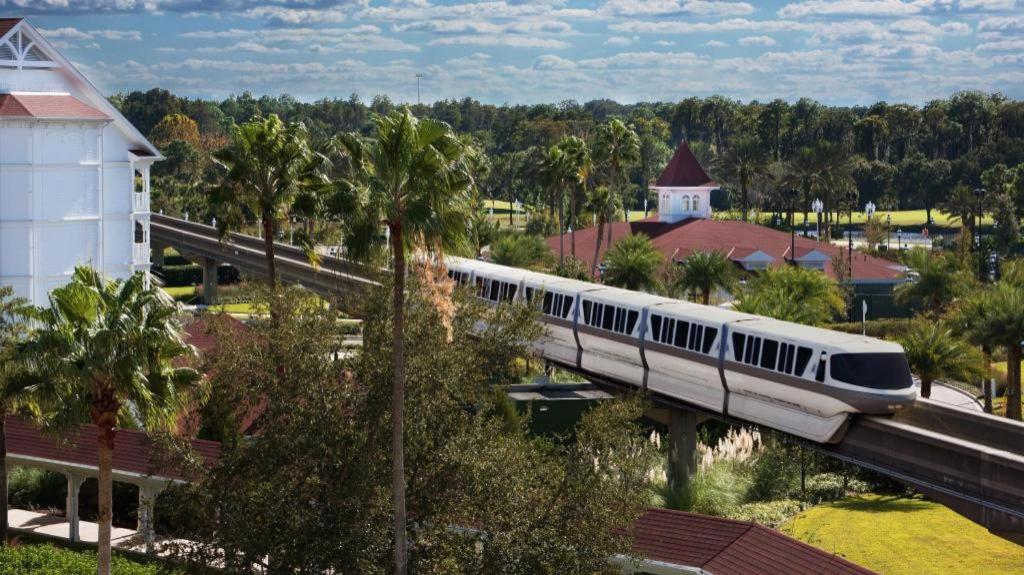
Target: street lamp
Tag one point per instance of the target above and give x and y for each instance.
(992, 267)
(888, 224)
(899, 238)
(869, 209)
(979, 195)
(816, 207)
(851, 199)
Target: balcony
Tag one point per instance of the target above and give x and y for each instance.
(140, 254)
(140, 202)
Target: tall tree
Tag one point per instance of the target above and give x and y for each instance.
(617, 149)
(15, 392)
(413, 178)
(935, 352)
(633, 263)
(739, 166)
(793, 294)
(265, 166)
(578, 165)
(555, 175)
(705, 271)
(604, 204)
(106, 351)
(937, 280)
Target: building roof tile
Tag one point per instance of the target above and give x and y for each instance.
(683, 171)
(48, 106)
(7, 23)
(726, 547)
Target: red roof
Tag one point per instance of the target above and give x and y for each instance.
(48, 106)
(727, 547)
(734, 238)
(131, 448)
(683, 171)
(6, 24)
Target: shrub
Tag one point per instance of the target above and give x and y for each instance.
(716, 490)
(521, 251)
(33, 488)
(540, 225)
(50, 560)
(573, 268)
(829, 486)
(767, 513)
(187, 275)
(774, 473)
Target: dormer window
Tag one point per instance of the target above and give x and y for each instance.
(19, 51)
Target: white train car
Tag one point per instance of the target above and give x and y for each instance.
(801, 380)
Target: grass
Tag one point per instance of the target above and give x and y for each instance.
(911, 219)
(905, 536)
(181, 291)
(47, 559)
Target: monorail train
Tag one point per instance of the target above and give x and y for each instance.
(802, 380)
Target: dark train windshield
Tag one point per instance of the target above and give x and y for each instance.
(873, 370)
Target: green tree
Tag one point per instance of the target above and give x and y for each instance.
(555, 175)
(935, 352)
(994, 317)
(604, 204)
(793, 294)
(106, 351)
(521, 251)
(15, 391)
(633, 263)
(413, 178)
(936, 281)
(577, 165)
(705, 271)
(739, 166)
(264, 167)
(616, 150)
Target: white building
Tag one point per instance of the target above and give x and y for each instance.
(684, 188)
(74, 173)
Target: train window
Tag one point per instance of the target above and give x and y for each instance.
(495, 292)
(710, 333)
(682, 329)
(873, 370)
(588, 315)
(819, 375)
(566, 306)
(803, 356)
(790, 351)
(655, 327)
(631, 317)
(769, 352)
(667, 331)
(549, 299)
(738, 343)
(757, 351)
(608, 318)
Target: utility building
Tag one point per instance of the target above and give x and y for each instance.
(74, 173)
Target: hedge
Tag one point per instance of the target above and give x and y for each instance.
(50, 560)
(188, 275)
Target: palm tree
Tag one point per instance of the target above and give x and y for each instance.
(617, 149)
(604, 203)
(805, 169)
(577, 165)
(705, 271)
(413, 178)
(793, 294)
(633, 263)
(15, 392)
(739, 166)
(939, 280)
(995, 318)
(266, 164)
(834, 177)
(934, 352)
(553, 172)
(107, 350)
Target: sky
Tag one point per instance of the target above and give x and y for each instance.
(842, 52)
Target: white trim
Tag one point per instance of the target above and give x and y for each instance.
(631, 565)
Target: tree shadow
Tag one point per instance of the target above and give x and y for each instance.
(883, 504)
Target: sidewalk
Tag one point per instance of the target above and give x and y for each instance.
(36, 523)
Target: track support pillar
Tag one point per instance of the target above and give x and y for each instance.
(682, 447)
(209, 280)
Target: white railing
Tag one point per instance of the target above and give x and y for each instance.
(140, 253)
(140, 202)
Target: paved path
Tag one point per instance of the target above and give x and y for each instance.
(953, 396)
(56, 526)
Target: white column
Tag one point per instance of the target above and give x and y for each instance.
(71, 506)
(146, 524)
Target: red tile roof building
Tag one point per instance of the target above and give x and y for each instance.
(48, 107)
(719, 546)
(684, 171)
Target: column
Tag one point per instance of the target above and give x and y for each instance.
(147, 502)
(682, 447)
(209, 280)
(75, 481)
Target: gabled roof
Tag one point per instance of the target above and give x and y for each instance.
(48, 106)
(727, 547)
(83, 89)
(683, 171)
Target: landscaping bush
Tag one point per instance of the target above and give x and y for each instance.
(830, 486)
(881, 328)
(768, 513)
(716, 490)
(32, 488)
(186, 275)
(774, 472)
(541, 225)
(50, 560)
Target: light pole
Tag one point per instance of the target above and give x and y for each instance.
(418, 78)
(899, 238)
(816, 207)
(888, 227)
(516, 207)
(869, 209)
(851, 198)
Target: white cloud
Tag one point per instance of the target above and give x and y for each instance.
(618, 41)
(988, 5)
(71, 33)
(687, 27)
(757, 41)
(666, 7)
(715, 44)
(551, 62)
(510, 41)
(861, 8)
(665, 43)
(1003, 45)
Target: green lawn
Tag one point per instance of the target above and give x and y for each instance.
(907, 218)
(181, 291)
(905, 536)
